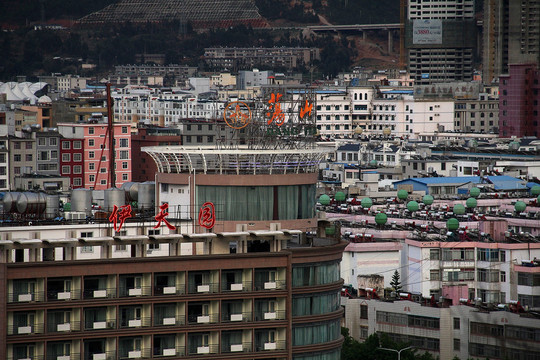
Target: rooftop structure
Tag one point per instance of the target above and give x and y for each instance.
(200, 14)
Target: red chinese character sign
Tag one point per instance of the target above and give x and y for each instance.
(161, 217)
(207, 215)
(118, 217)
(275, 113)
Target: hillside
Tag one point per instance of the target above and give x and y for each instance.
(16, 13)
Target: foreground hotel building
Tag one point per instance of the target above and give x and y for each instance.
(255, 286)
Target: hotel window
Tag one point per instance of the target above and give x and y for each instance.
(91, 130)
(77, 144)
(91, 142)
(77, 182)
(77, 157)
(66, 157)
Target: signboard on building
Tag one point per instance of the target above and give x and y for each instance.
(427, 31)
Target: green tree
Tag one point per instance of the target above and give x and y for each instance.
(396, 283)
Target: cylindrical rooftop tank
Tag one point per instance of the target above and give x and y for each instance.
(52, 208)
(114, 196)
(10, 201)
(31, 203)
(132, 190)
(147, 195)
(81, 201)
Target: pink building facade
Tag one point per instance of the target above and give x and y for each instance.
(519, 101)
(96, 155)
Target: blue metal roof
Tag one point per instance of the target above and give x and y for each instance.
(505, 182)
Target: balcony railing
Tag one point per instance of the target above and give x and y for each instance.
(144, 353)
(269, 315)
(99, 293)
(203, 288)
(269, 346)
(64, 295)
(64, 357)
(130, 323)
(142, 291)
(69, 326)
(203, 349)
(33, 357)
(269, 285)
(106, 355)
(100, 325)
(203, 319)
(170, 320)
(172, 351)
(36, 328)
(241, 286)
(169, 290)
(26, 297)
(236, 317)
(232, 348)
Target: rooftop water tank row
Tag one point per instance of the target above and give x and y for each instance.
(31, 203)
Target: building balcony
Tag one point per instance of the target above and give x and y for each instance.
(134, 291)
(269, 315)
(105, 355)
(236, 347)
(201, 349)
(236, 317)
(169, 351)
(135, 322)
(99, 293)
(270, 345)
(132, 353)
(203, 288)
(269, 285)
(100, 324)
(25, 329)
(170, 320)
(74, 356)
(18, 297)
(69, 326)
(169, 290)
(236, 286)
(203, 319)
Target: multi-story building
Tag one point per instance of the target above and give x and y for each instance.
(239, 283)
(458, 331)
(247, 79)
(22, 157)
(477, 116)
(47, 150)
(150, 136)
(4, 164)
(511, 36)
(97, 157)
(248, 58)
(519, 101)
(441, 41)
(334, 114)
(391, 111)
(71, 161)
(361, 106)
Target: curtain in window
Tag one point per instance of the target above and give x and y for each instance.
(287, 202)
(238, 202)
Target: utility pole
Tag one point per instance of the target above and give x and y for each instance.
(397, 351)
